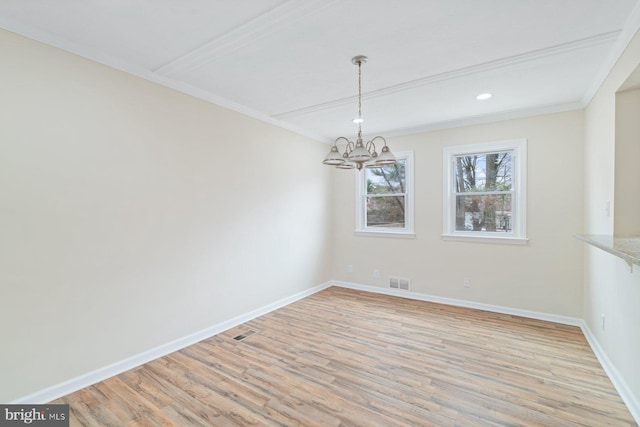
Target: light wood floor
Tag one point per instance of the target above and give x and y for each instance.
(347, 358)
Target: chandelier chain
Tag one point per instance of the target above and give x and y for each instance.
(359, 98)
(358, 154)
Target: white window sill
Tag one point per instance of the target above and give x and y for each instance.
(386, 233)
(486, 239)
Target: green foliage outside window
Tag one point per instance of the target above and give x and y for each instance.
(386, 195)
(484, 192)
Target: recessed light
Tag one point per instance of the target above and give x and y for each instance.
(358, 120)
(483, 96)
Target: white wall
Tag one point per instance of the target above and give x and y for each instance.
(611, 289)
(545, 275)
(132, 215)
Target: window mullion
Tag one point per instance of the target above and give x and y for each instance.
(474, 213)
(379, 212)
(386, 194)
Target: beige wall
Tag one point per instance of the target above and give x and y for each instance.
(123, 226)
(611, 288)
(627, 159)
(545, 275)
(132, 215)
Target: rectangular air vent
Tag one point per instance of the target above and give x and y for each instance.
(401, 283)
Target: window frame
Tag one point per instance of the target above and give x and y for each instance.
(361, 202)
(518, 233)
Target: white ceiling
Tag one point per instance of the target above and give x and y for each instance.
(288, 62)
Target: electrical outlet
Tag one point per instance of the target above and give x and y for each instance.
(376, 274)
(466, 283)
(350, 268)
(603, 323)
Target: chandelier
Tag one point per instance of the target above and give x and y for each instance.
(358, 155)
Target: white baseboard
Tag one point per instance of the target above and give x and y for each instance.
(632, 401)
(618, 381)
(101, 374)
(565, 320)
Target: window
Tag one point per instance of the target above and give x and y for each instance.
(485, 192)
(384, 199)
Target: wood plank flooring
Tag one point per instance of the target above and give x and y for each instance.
(347, 358)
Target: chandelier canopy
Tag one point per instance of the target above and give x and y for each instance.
(358, 155)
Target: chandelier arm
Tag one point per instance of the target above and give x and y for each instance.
(358, 153)
(335, 143)
(350, 145)
(376, 137)
(370, 145)
(339, 138)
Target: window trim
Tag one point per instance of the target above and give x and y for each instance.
(408, 230)
(518, 234)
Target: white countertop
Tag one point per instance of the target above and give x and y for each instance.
(625, 247)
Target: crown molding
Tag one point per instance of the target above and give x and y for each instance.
(480, 119)
(111, 62)
(629, 30)
(231, 105)
(243, 35)
(488, 118)
(293, 9)
(608, 37)
(66, 45)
